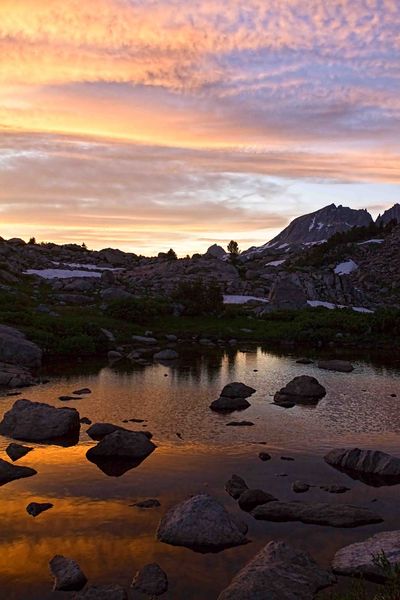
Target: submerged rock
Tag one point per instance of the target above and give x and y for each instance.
(357, 559)
(229, 404)
(16, 451)
(343, 366)
(35, 421)
(235, 486)
(102, 592)
(151, 580)
(319, 513)
(370, 466)
(201, 523)
(237, 390)
(249, 499)
(67, 573)
(149, 503)
(303, 390)
(35, 508)
(10, 472)
(278, 572)
(122, 444)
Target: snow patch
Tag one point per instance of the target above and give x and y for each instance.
(345, 268)
(61, 273)
(233, 299)
(274, 263)
(331, 306)
(377, 241)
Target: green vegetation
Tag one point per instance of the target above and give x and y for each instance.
(199, 298)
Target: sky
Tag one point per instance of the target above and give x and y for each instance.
(150, 124)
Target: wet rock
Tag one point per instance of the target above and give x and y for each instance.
(278, 572)
(343, 366)
(240, 424)
(264, 456)
(35, 508)
(149, 503)
(300, 487)
(151, 580)
(67, 573)
(200, 523)
(334, 488)
(102, 592)
(68, 398)
(85, 421)
(319, 513)
(98, 431)
(35, 421)
(10, 472)
(166, 354)
(114, 355)
(357, 559)
(82, 391)
(122, 444)
(249, 499)
(303, 390)
(16, 451)
(304, 361)
(237, 390)
(235, 486)
(229, 404)
(15, 376)
(371, 466)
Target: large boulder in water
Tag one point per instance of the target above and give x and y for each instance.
(68, 575)
(98, 431)
(371, 466)
(223, 404)
(318, 513)
(151, 580)
(237, 390)
(9, 472)
(343, 366)
(15, 349)
(278, 572)
(122, 444)
(36, 422)
(302, 390)
(201, 523)
(358, 559)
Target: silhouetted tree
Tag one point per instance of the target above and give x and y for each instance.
(233, 249)
(32, 241)
(171, 254)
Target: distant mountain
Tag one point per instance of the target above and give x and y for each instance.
(317, 227)
(392, 214)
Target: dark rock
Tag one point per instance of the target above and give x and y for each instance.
(240, 424)
(114, 355)
(67, 573)
(300, 487)
(98, 431)
(370, 466)
(335, 515)
(235, 486)
(151, 580)
(85, 421)
(166, 354)
(304, 361)
(15, 349)
(249, 499)
(35, 421)
(16, 451)
(289, 458)
(68, 398)
(102, 592)
(334, 489)
(149, 503)
(82, 391)
(264, 456)
(229, 404)
(278, 572)
(201, 523)
(10, 472)
(122, 444)
(35, 508)
(303, 389)
(343, 366)
(237, 390)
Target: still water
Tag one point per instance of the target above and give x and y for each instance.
(92, 520)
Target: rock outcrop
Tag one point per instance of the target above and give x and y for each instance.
(371, 466)
(302, 390)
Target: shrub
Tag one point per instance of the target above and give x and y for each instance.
(199, 297)
(138, 310)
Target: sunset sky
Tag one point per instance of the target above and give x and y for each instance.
(150, 124)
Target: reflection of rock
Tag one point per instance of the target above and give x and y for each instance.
(229, 404)
(9, 472)
(235, 486)
(200, 523)
(370, 466)
(36, 421)
(16, 451)
(35, 508)
(319, 513)
(303, 390)
(343, 366)
(357, 559)
(278, 572)
(151, 580)
(102, 592)
(120, 451)
(67, 573)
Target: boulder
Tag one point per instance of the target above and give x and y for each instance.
(278, 572)
(113, 293)
(200, 523)
(151, 580)
(235, 486)
(98, 431)
(237, 390)
(357, 559)
(343, 366)
(114, 355)
(249, 499)
(15, 376)
(102, 592)
(16, 451)
(122, 444)
(15, 349)
(333, 488)
(287, 292)
(303, 390)
(36, 421)
(144, 339)
(67, 574)
(300, 487)
(223, 404)
(166, 354)
(9, 472)
(35, 508)
(370, 466)
(215, 251)
(319, 513)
